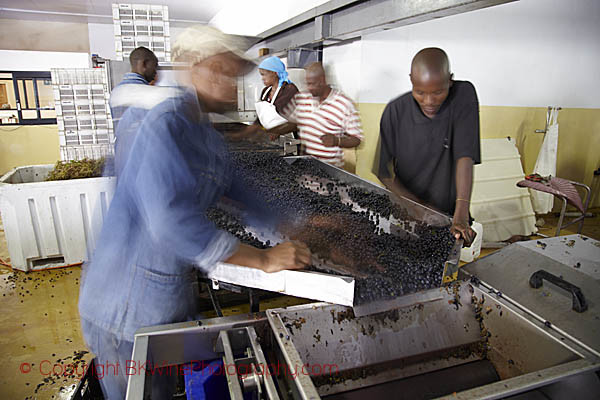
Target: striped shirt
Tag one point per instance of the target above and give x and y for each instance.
(336, 115)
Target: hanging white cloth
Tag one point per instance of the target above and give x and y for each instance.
(267, 114)
(546, 163)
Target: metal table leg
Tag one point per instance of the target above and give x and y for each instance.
(254, 298)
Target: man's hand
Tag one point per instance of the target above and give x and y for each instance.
(462, 229)
(288, 127)
(248, 132)
(330, 140)
(287, 255)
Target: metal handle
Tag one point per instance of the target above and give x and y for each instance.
(579, 302)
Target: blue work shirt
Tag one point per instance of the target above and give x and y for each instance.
(121, 98)
(130, 101)
(155, 232)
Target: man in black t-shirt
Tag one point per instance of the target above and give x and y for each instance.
(429, 141)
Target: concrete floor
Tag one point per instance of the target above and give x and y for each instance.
(43, 353)
(40, 339)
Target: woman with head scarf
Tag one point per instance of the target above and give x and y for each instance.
(275, 96)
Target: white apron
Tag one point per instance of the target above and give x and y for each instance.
(267, 114)
(546, 163)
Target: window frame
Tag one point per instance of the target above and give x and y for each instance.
(35, 76)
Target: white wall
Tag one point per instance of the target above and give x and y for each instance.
(530, 53)
(102, 40)
(343, 67)
(47, 35)
(19, 60)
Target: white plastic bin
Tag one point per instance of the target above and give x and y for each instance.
(497, 203)
(468, 254)
(50, 224)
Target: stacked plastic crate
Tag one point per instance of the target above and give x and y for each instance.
(142, 25)
(83, 113)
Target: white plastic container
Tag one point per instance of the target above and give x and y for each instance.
(468, 254)
(497, 203)
(50, 224)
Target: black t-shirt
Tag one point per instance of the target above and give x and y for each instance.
(422, 152)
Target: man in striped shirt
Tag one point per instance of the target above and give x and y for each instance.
(326, 118)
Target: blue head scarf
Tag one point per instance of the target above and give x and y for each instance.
(276, 65)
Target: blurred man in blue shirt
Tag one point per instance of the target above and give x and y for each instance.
(132, 98)
(156, 233)
(144, 65)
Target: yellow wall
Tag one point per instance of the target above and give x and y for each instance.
(28, 145)
(578, 143)
(36, 144)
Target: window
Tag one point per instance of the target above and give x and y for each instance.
(26, 98)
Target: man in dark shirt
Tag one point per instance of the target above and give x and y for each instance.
(144, 65)
(429, 141)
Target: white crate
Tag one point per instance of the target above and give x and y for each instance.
(96, 151)
(99, 110)
(51, 223)
(137, 24)
(101, 123)
(127, 29)
(157, 30)
(468, 254)
(83, 119)
(497, 203)
(143, 43)
(69, 122)
(67, 110)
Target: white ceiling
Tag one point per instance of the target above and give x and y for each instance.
(242, 17)
(252, 17)
(101, 10)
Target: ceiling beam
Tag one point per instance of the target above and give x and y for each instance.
(339, 20)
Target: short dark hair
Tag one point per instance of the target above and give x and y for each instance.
(432, 59)
(141, 54)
